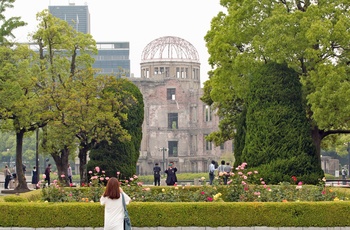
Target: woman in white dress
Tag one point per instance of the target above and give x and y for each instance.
(114, 210)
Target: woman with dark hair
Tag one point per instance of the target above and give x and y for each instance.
(114, 210)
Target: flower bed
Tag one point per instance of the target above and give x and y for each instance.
(242, 186)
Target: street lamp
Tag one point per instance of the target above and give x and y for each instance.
(163, 150)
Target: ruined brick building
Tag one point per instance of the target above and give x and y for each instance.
(176, 120)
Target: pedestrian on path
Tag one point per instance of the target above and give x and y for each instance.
(7, 174)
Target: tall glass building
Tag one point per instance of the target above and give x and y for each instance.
(113, 58)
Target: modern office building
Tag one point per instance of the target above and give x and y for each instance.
(113, 58)
(76, 16)
(176, 121)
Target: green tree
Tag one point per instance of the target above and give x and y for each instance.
(118, 156)
(65, 69)
(277, 133)
(22, 108)
(8, 25)
(310, 36)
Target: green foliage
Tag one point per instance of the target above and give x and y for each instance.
(15, 198)
(122, 156)
(310, 37)
(278, 137)
(8, 25)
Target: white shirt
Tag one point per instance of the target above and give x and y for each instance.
(114, 212)
(211, 167)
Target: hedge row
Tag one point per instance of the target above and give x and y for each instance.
(152, 214)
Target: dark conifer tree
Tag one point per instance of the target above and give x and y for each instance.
(278, 136)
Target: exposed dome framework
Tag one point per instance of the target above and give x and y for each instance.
(170, 48)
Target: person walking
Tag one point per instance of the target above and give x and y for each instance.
(34, 178)
(47, 174)
(171, 176)
(7, 175)
(211, 172)
(113, 202)
(69, 174)
(156, 174)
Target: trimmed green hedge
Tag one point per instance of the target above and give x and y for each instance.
(144, 214)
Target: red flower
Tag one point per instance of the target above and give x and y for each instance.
(294, 178)
(210, 199)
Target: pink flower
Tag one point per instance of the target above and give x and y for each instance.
(63, 176)
(245, 177)
(262, 182)
(244, 183)
(249, 173)
(118, 173)
(44, 176)
(101, 178)
(55, 181)
(90, 172)
(257, 193)
(135, 177)
(131, 179)
(97, 169)
(202, 193)
(300, 183)
(126, 181)
(70, 194)
(240, 173)
(107, 178)
(210, 199)
(256, 172)
(103, 172)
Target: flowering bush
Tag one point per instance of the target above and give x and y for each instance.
(242, 186)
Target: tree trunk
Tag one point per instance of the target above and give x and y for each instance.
(317, 136)
(83, 167)
(22, 183)
(61, 160)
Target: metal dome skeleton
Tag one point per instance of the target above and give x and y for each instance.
(170, 48)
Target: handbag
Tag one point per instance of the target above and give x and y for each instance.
(127, 223)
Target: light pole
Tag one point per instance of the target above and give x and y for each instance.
(163, 150)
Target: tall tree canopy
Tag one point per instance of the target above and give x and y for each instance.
(116, 156)
(312, 37)
(277, 139)
(86, 111)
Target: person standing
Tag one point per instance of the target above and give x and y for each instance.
(114, 210)
(221, 167)
(156, 173)
(211, 172)
(227, 170)
(173, 166)
(69, 174)
(34, 177)
(343, 175)
(7, 174)
(171, 176)
(221, 171)
(47, 174)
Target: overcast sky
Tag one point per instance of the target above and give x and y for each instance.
(136, 21)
